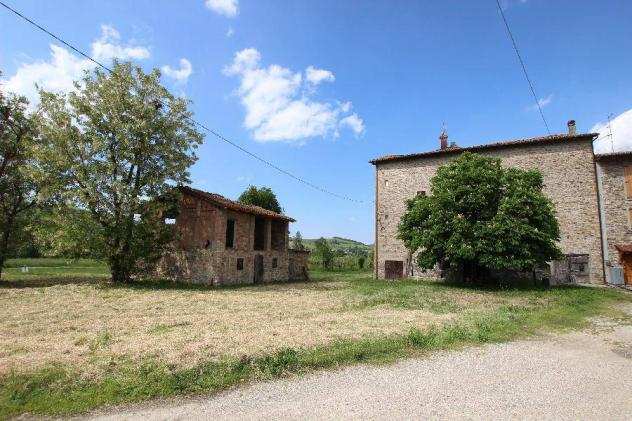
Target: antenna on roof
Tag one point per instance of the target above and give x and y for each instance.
(610, 129)
(443, 137)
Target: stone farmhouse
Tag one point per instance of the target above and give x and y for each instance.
(592, 195)
(223, 242)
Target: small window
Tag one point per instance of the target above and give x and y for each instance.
(230, 233)
(275, 262)
(421, 192)
(240, 263)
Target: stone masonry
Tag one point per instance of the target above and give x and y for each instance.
(616, 206)
(567, 165)
(208, 251)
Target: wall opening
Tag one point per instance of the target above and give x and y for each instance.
(230, 233)
(240, 263)
(260, 234)
(278, 233)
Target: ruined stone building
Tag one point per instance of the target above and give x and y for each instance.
(220, 242)
(592, 195)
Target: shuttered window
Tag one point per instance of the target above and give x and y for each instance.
(628, 181)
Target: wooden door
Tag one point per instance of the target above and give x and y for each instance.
(393, 269)
(258, 277)
(627, 267)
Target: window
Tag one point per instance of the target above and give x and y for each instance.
(230, 233)
(627, 171)
(170, 221)
(240, 263)
(275, 262)
(421, 192)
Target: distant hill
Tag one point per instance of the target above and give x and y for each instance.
(341, 245)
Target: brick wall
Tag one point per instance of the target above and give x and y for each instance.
(569, 178)
(200, 222)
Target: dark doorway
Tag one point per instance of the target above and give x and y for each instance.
(393, 269)
(258, 278)
(260, 234)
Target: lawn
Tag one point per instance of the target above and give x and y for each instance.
(68, 344)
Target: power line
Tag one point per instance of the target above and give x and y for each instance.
(197, 123)
(524, 67)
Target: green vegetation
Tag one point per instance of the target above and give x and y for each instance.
(481, 217)
(339, 253)
(261, 196)
(50, 270)
(503, 314)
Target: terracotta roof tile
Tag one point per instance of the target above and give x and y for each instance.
(613, 155)
(223, 202)
(494, 145)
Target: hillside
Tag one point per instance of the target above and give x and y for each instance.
(342, 246)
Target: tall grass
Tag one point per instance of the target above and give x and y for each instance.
(58, 390)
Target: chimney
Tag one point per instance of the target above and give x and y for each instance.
(572, 130)
(443, 140)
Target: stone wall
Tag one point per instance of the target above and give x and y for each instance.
(569, 181)
(615, 205)
(210, 267)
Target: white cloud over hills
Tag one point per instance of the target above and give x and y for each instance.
(280, 104)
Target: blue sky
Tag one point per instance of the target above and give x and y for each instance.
(321, 87)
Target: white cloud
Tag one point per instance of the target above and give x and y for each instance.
(228, 8)
(180, 75)
(230, 32)
(107, 47)
(63, 68)
(621, 138)
(316, 76)
(280, 104)
(542, 102)
(354, 122)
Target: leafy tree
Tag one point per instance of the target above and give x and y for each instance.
(67, 231)
(361, 262)
(481, 216)
(262, 196)
(297, 241)
(21, 179)
(323, 252)
(121, 142)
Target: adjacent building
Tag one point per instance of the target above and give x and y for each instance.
(589, 193)
(221, 242)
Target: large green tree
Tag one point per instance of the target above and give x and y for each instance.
(481, 216)
(262, 196)
(324, 253)
(120, 142)
(21, 182)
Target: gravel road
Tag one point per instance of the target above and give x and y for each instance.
(583, 375)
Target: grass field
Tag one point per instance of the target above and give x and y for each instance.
(70, 346)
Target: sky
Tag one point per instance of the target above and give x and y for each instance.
(321, 87)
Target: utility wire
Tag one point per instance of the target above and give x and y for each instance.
(524, 67)
(197, 123)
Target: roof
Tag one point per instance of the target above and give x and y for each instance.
(225, 203)
(488, 146)
(613, 156)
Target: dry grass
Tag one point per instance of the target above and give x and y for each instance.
(90, 326)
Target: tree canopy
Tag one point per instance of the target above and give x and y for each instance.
(22, 181)
(262, 196)
(120, 143)
(481, 216)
